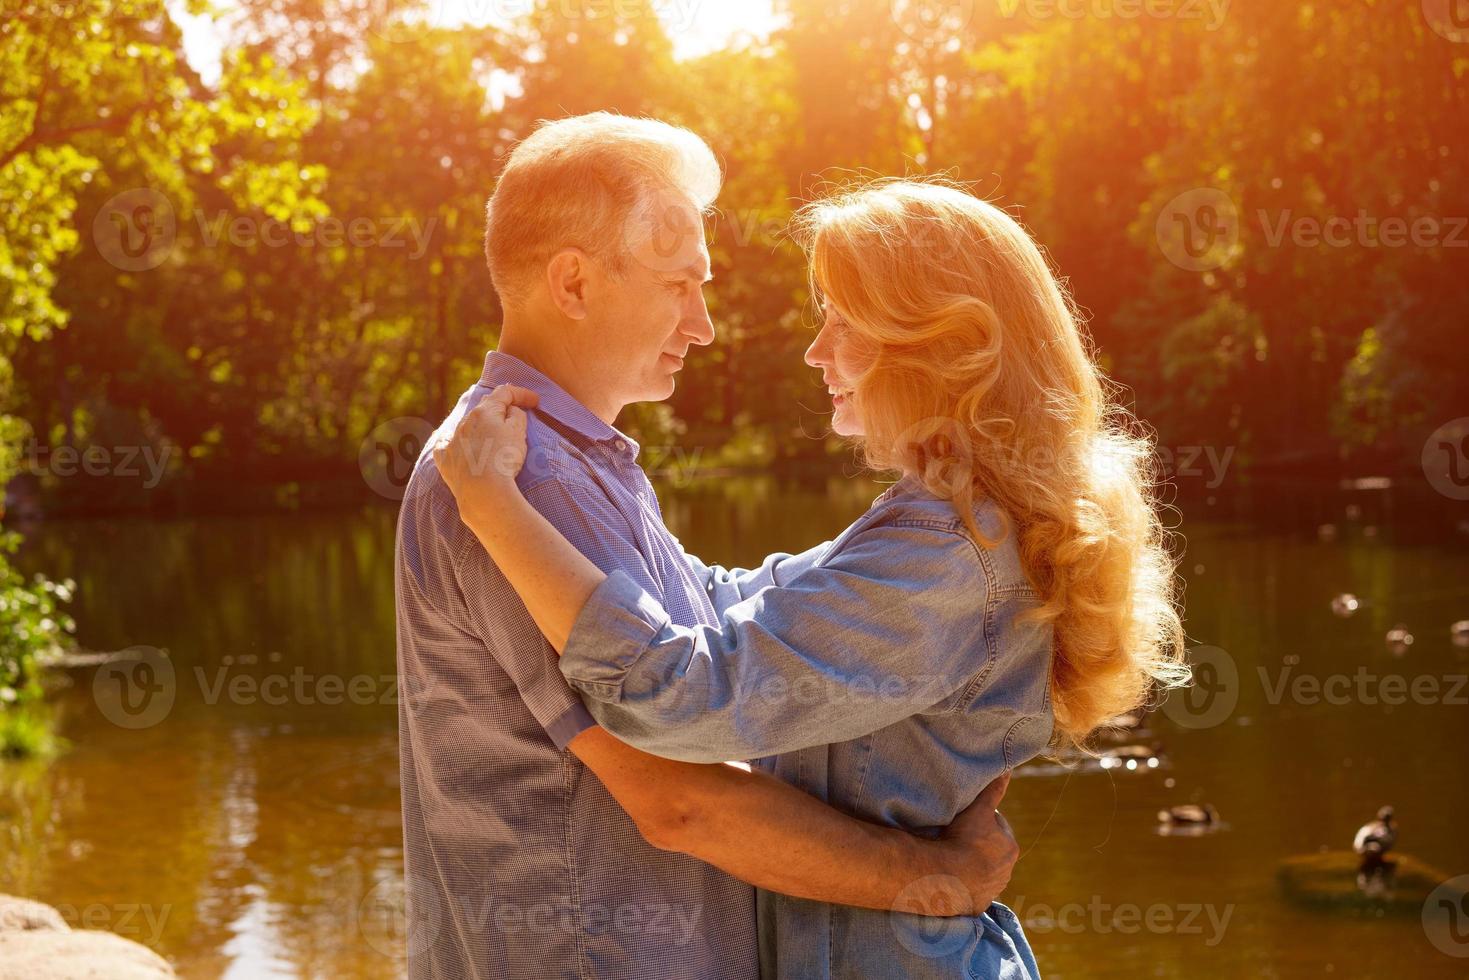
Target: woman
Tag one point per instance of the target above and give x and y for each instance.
(1010, 591)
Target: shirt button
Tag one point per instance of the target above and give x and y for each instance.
(621, 446)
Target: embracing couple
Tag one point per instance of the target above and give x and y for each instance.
(575, 684)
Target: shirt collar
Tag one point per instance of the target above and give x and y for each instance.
(555, 402)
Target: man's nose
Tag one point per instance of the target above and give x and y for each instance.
(697, 326)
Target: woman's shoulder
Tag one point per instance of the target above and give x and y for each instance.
(938, 528)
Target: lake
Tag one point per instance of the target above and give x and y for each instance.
(244, 821)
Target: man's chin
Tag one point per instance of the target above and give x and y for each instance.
(658, 389)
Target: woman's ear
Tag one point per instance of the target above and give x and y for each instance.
(566, 278)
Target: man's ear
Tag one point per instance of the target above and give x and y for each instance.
(566, 278)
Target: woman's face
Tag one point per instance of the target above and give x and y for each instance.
(842, 356)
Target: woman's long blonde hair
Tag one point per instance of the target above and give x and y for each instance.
(981, 386)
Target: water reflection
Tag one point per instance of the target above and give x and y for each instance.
(260, 835)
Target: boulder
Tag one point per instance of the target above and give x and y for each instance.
(1328, 880)
(37, 944)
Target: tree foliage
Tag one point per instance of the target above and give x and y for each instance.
(270, 337)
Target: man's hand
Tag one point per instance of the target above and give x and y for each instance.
(978, 853)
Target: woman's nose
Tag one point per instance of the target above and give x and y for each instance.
(816, 353)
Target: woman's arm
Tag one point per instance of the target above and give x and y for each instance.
(890, 627)
(479, 463)
(727, 586)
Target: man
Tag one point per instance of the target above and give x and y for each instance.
(537, 845)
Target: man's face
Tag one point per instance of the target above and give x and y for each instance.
(655, 312)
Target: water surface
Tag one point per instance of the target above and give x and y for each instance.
(253, 830)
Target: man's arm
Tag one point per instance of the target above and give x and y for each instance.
(778, 838)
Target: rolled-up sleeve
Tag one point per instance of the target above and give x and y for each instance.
(589, 520)
(887, 627)
(728, 586)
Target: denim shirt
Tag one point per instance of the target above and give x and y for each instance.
(888, 673)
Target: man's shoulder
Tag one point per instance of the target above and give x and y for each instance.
(552, 458)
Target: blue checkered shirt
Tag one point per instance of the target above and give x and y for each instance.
(517, 861)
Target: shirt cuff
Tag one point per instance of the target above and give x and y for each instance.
(572, 722)
(616, 625)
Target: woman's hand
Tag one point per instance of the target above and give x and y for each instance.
(487, 449)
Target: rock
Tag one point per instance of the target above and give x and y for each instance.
(1329, 881)
(50, 954)
(37, 944)
(22, 914)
